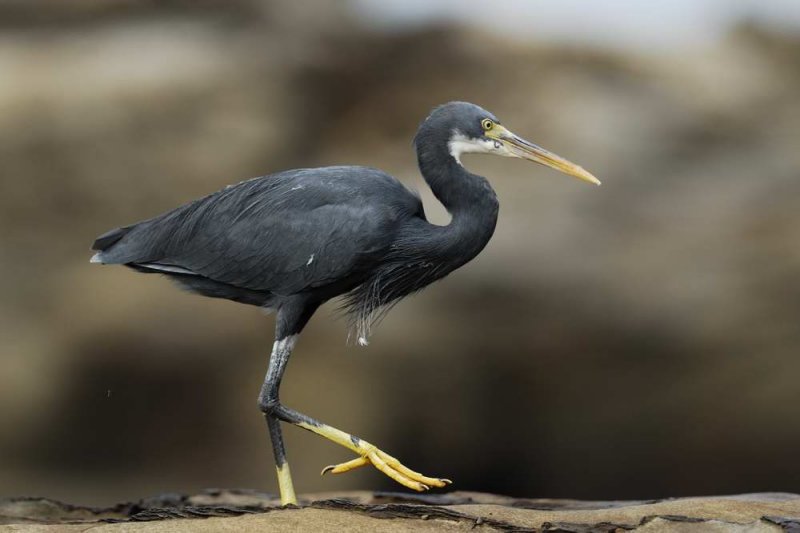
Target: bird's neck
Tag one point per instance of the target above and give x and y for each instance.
(468, 198)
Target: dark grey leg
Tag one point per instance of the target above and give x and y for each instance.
(267, 402)
(290, 322)
(291, 319)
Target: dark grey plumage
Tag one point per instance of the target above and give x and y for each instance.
(309, 235)
(293, 240)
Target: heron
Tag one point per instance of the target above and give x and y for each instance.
(290, 241)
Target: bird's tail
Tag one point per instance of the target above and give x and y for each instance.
(106, 241)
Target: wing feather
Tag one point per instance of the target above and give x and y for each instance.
(282, 233)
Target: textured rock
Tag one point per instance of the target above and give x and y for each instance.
(230, 510)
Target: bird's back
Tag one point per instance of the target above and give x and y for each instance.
(277, 235)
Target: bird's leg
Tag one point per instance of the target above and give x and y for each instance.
(290, 322)
(285, 484)
(267, 400)
(368, 453)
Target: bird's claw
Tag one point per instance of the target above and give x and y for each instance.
(391, 467)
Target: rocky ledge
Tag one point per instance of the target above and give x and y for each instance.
(242, 510)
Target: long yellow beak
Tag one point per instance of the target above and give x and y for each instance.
(519, 147)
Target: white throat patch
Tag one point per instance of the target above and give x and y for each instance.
(461, 144)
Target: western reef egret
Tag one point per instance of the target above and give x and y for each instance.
(290, 241)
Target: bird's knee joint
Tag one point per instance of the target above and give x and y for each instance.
(268, 406)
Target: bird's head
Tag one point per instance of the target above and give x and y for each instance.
(471, 129)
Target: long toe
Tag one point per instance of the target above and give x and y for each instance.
(389, 466)
(411, 474)
(341, 468)
(404, 480)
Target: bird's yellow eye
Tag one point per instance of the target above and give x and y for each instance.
(487, 124)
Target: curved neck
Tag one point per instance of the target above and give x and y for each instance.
(468, 198)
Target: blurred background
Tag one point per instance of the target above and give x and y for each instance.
(637, 340)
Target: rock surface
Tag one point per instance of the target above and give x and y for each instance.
(238, 510)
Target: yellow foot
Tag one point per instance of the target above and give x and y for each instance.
(389, 466)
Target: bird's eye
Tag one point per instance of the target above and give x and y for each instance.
(487, 124)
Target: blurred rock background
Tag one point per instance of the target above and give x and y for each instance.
(634, 341)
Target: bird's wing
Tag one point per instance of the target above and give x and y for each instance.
(281, 233)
